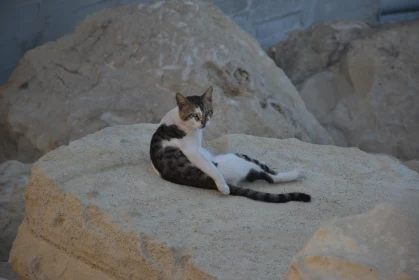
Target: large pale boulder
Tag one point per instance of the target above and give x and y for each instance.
(96, 210)
(365, 95)
(14, 177)
(124, 65)
(307, 52)
(380, 244)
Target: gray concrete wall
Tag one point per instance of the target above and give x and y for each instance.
(25, 24)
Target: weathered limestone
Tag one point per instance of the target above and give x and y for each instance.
(380, 244)
(124, 65)
(96, 210)
(361, 83)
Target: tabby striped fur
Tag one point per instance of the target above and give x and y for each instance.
(177, 156)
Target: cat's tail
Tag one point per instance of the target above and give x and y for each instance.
(269, 197)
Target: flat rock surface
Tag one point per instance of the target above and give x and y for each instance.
(96, 210)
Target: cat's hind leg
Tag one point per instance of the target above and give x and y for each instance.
(286, 176)
(254, 175)
(263, 166)
(268, 174)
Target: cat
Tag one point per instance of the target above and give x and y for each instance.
(177, 155)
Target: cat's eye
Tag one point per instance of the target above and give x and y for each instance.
(194, 116)
(209, 113)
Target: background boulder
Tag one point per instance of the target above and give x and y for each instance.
(124, 65)
(309, 51)
(360, 82)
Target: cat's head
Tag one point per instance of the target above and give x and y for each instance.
(195, 111)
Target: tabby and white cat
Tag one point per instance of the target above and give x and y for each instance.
(177, 155)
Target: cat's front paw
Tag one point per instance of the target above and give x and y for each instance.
(223, 188)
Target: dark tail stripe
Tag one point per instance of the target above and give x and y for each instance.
(255, 161)
(269, 197)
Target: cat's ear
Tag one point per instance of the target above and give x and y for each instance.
(181, 100)
(208, 94)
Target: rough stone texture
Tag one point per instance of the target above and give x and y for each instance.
(112, 70)
(25, 24)
(95, 209)
(412, 164)
(14, 177)
(364, 84)
(312, 50)
(380, 244)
